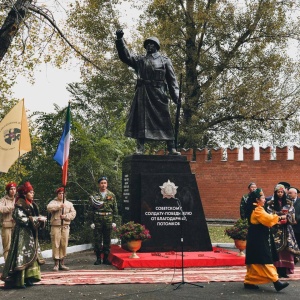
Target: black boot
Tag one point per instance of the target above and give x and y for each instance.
(98, 256)
(280, 285)
(282, 272)
(171, 148)
(105, 260)
(251, 286)
(284, 275)
(28, 282)
(140, 146)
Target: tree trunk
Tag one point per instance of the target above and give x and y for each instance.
(11, 24)
(192, 86)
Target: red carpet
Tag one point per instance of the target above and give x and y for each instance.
(167, 276)
(83, 271)
(216, 258)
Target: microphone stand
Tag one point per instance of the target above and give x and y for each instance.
(181, 241)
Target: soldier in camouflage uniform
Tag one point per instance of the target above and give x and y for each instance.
(102, 212)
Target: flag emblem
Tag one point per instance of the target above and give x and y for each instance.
(12, 135)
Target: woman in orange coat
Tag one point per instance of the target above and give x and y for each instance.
(259, 252)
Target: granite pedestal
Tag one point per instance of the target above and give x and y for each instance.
(146, 181)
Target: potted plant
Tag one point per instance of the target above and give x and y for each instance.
(238, 232)
(132, 234)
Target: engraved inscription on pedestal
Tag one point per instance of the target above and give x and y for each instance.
(126, 195)
(161, 193)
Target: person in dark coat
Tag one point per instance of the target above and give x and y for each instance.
(296, 203)
(284, 237)
(293, 196)
(251, 187)
(259, 253)
(149, 117)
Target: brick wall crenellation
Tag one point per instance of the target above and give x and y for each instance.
(222, 182)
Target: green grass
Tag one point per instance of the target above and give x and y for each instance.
(217, 235)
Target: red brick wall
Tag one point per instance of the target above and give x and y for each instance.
(222, 183)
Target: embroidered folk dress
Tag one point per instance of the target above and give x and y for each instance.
(259, 254)
(24, 257)
(284, 237)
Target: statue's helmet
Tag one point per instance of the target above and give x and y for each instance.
(152, 39)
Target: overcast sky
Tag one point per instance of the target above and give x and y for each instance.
(49, 88)
(50, 84)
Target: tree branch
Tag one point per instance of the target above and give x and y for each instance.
(52, 22)
(242, 39)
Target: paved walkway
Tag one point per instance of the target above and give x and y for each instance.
(84, 261)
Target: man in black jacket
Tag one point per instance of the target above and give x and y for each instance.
(292, 193)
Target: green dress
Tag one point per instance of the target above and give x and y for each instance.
(24, 257)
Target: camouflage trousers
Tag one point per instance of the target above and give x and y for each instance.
(102, 234)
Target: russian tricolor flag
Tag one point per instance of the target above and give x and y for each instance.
(62, 153)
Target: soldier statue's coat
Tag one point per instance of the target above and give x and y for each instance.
(149, 116)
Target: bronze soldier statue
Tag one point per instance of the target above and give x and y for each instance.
(149, 117)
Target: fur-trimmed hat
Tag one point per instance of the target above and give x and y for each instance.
(25, 188)
(285, 184)
(279, 187)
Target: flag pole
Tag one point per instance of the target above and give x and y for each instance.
(61, 155)
(18, 163)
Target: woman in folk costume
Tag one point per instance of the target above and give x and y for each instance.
(22, 267)
(259, 251)
(284, 237)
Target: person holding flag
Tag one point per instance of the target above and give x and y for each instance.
(7, 205)
(62, 213)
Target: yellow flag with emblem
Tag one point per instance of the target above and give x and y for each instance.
(14, 136)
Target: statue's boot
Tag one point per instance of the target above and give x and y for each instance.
(171, 148)
(140, 146)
